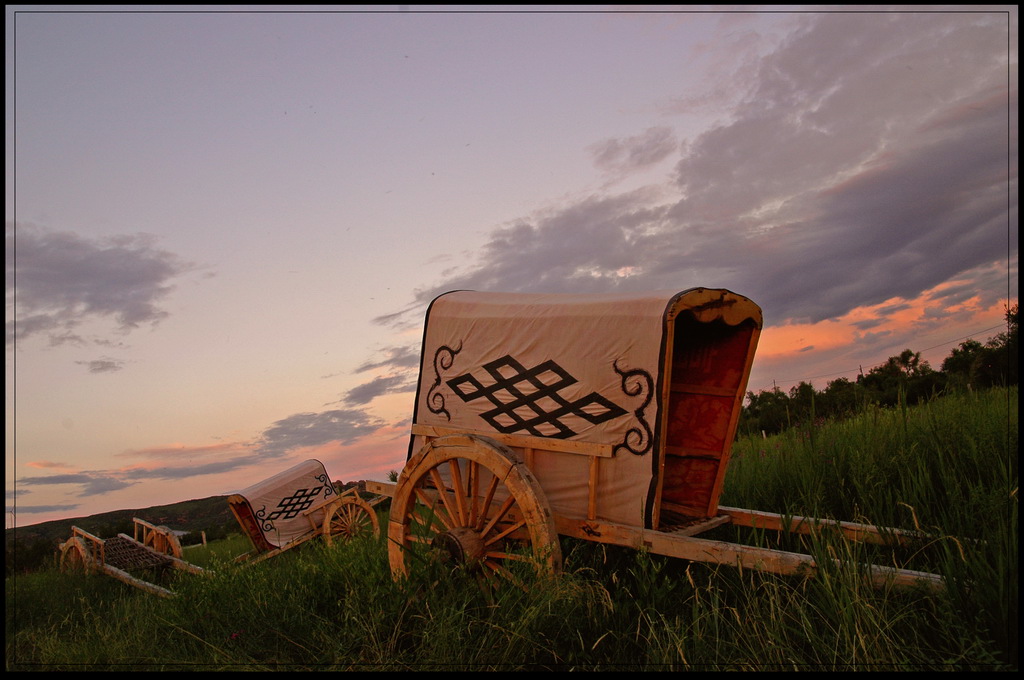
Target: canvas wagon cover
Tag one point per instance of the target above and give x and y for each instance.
(570, 367)
(279, 502)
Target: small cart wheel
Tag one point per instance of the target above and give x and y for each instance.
(164, 541)
(75, 558)
(468, 500)
(348, 518)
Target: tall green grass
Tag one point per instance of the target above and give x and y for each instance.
(947, 468)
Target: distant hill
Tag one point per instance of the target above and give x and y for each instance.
(193, 515)
(27, 547)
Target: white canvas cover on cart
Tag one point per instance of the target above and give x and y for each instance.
(280, 503)
(584, 368)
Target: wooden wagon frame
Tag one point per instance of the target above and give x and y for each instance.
(295, 506)
(152, 546)
(607, 418)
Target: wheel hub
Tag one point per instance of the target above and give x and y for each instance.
(461, 545)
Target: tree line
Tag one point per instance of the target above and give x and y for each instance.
(904, 378)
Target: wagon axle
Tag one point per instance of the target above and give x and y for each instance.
(461, 545)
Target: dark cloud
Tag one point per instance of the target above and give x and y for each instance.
(41, 509)
(391, 384)
(867, 324)
(587, 247)
(102, 365)
(314, 429)
(633, 153)
(394, 357)
(58, 280)
(92, 484)
(165, 473)
(870, 157)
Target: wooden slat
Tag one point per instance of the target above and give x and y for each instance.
(592, 489)
(730, 554)
(521, 441)
(805, 525)
(689, 388)
(697, 526)
(381, 488)
(693, 452)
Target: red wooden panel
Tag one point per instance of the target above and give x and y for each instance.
(688, 483)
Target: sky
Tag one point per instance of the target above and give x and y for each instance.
(223, 225)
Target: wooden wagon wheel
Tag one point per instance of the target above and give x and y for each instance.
(164, 541)
(75, 556)
(469, 500)
(348, 518)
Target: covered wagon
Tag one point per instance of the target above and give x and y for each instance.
(608, 418)
(295, 505)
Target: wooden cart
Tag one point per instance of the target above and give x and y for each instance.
(295, 506)
(151, 547)
(608, 418)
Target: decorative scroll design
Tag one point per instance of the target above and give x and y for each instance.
(326, 481)
(265, 523)
(444, 357)
(635, 383)
(529, 399)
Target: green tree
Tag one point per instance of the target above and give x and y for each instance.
(841, 397)
(767, 412)
(959, 365)
(997, 362)
(905, 374)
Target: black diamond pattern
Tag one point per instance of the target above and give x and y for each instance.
(529, 400)
(294, 504)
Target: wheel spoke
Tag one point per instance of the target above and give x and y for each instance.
(426, 526)
(499, 571)
(508, 556)
(502, 511)
(486, 506)
(442, 490)
(474, 499)
(506, 532)
(435, 511)
(460, 500)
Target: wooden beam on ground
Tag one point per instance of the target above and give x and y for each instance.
(137, 583)
(729, 554)
(806, 525)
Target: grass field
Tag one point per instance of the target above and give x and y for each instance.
(947, 468)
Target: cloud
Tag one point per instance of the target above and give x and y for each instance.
(395, 357)
(104, 365)
(391, 384)
(92, 484)
(862, 164)
(314, 429)
(58, 280)
(187, 471)
(44, 464)
(181, 452)
(633, 153)
(41, 509)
